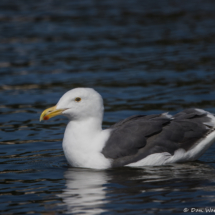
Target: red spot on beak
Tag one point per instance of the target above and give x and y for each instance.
(46, 118)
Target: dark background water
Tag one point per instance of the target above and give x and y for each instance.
(143, 57)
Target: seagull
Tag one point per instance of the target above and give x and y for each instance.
(140, 140)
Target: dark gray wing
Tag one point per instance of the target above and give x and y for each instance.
(139, 136)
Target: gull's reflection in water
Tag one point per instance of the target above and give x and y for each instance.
(137, 190)
(84, 191)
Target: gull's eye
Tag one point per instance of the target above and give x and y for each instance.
(77, 99)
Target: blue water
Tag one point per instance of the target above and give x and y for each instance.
(143, 57)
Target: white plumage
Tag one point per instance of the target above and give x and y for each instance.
(84, 140)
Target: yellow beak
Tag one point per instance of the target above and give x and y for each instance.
(50, 112)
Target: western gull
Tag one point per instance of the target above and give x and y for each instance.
(139, 140)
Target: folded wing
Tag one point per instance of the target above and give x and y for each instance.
(139, 136)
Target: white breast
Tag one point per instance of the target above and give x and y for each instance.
(82, 148)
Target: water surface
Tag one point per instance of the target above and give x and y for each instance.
(143, 57)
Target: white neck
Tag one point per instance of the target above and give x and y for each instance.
(82, 132)
(83, 141)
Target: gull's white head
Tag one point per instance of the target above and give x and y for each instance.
(77, 104)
